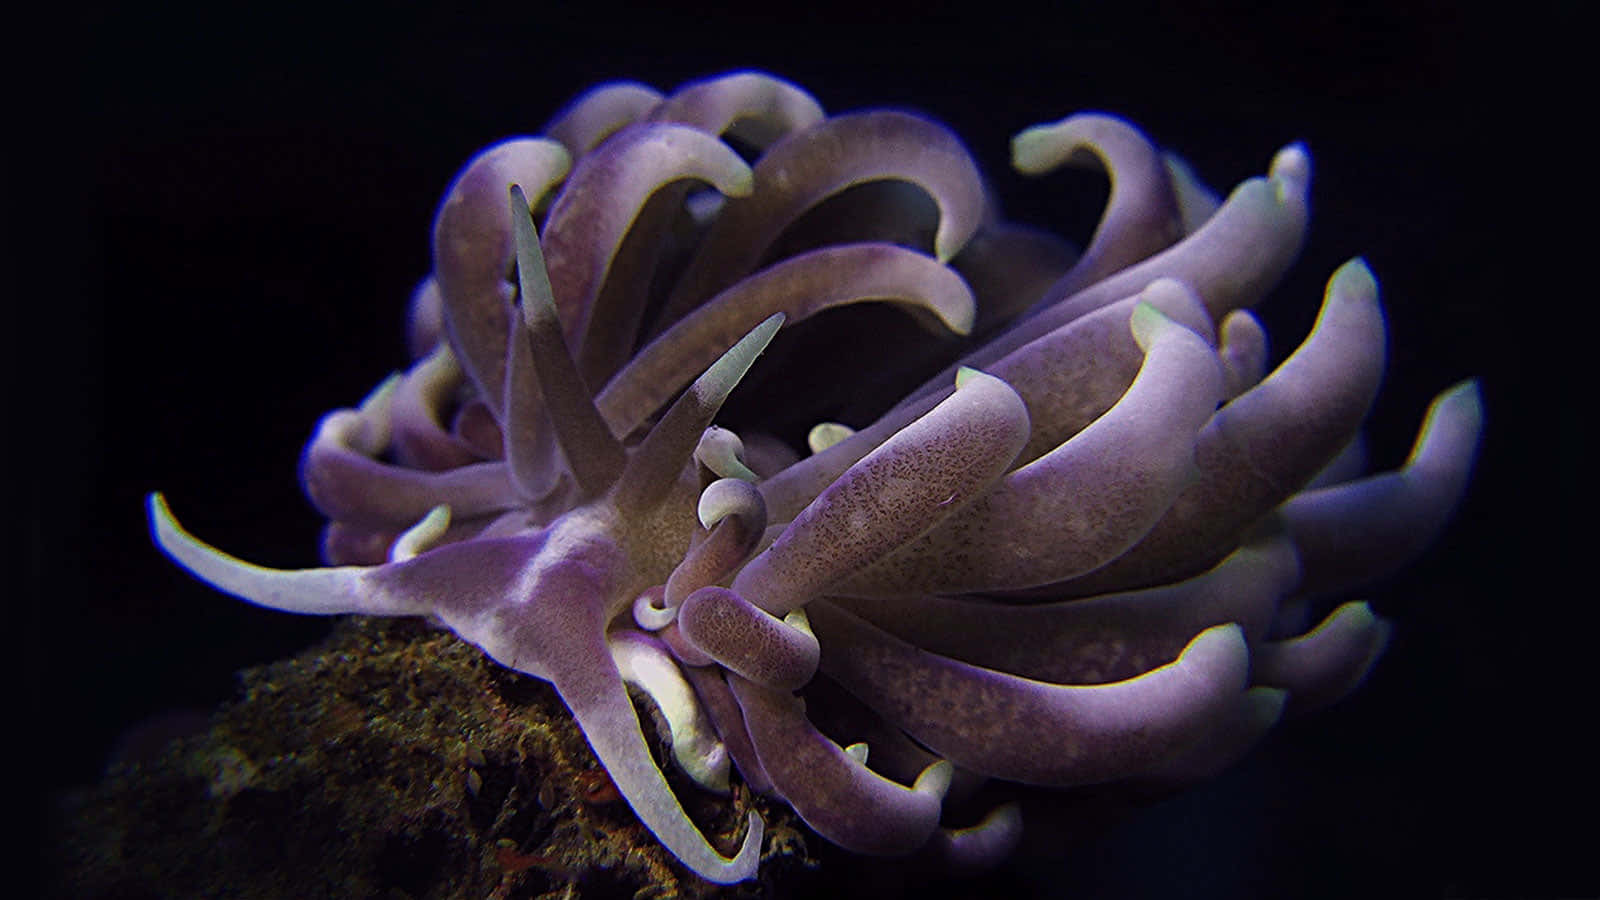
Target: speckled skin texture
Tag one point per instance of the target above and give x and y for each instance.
(536, 480)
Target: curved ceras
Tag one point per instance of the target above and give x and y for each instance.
(1111, 459)
(1319, 397)
(541, 602)
(345, 478)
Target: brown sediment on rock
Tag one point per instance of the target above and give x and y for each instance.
(393, 761)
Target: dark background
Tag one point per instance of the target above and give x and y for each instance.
(225, 212)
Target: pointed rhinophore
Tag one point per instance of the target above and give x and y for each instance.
(656, 462)
(542, 367)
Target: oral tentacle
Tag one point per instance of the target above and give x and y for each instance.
(593, 690)
(452, 582)
(644, 663)
(321, 591)
(558, 634)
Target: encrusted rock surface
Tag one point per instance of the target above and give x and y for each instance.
(393, 761)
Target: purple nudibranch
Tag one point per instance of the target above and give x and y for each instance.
(1080, 552)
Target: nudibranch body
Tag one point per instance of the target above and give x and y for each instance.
(1089, 548)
